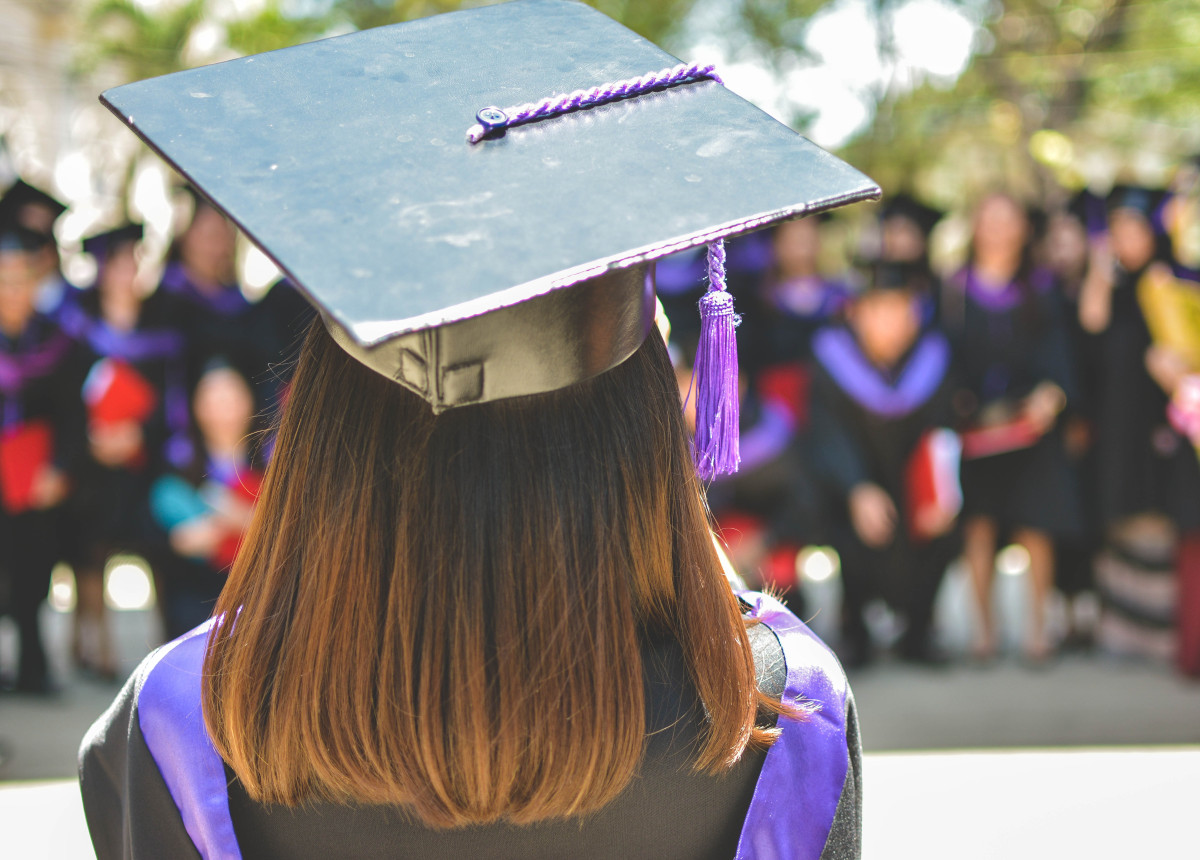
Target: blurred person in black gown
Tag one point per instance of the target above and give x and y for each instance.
(205, 504)
(881, 385)
(1005, 320)
(1135, 448)
(41, 443)
(37, 212)
(136, 400)
(215, 316)
(905, 227)
(1074, 248)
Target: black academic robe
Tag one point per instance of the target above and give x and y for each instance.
(154, 787)
(108, 509)
(1134, 465)
(223, 325)
(866, 424)
(41, 372)
(1006, 342)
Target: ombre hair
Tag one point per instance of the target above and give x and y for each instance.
(446, 612)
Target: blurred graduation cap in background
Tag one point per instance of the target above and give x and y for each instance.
(31, 208)
(103, 245)
(904, 205)
(475, 271)
(1147, 202)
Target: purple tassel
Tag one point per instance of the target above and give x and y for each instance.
(716, 375)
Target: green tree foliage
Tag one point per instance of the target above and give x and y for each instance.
(141, 42)
(1058, 92)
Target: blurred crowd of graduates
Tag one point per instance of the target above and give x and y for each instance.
(1043, 391)
(131, 415)
(1039, 391)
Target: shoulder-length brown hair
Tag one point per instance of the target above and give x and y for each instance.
(445, 611)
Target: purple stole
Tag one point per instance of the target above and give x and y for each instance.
(133, 346)
(839, 353)
(227, 302)
(1007, 296)
(789, 818)
(19, 367)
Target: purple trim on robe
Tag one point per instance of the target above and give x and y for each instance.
(1007, 297)
(227, 303)
(768, 438)
(790, 815)
(838, 352)
(796, 798)
(169, 716)
(750, 253)
(810, 297)
(17, 368)
(136, 345)
(681, 272)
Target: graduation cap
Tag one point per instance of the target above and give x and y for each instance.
(14, 237)
(20, 197)
(507, 263)
(904, 205)
(103, 245)
(1147, 202)
(879, 275)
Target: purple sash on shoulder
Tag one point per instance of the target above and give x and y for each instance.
(136, 345)
(790, 815)
(839, 353)
(1000, 298)
(226, 302)
(173, 726)
(801, 781)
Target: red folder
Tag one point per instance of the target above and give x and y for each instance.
(115, 392)
(987, 440)
(25, 449)
(932, 481)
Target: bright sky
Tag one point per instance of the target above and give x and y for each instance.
(932, 41)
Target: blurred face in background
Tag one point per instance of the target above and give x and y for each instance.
(903, 241)
(208, 245)
(797, 245)
(1132, 238)
(1001, 229)
(1066, 245)
(118, 277)
(224, 407)
(886, 323)
(18, 290)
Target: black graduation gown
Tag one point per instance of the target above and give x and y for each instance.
(1133, 461)
(1006, 342)
(866, 424)
(109, 510)
(223, 325)
(153, 786)
(41, 383)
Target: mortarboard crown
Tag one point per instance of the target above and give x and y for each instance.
(904, 205)
(1145, 201)
(511, 265)
(103, 244)
(21, 195)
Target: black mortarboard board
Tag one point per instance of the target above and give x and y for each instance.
(877, 275)
(443, 263)
(904, 205)
(1089, 210)
(15, 237)
(103, 244)
(1145, 201)
(21, 194)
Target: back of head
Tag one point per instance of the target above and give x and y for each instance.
(445, 611)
